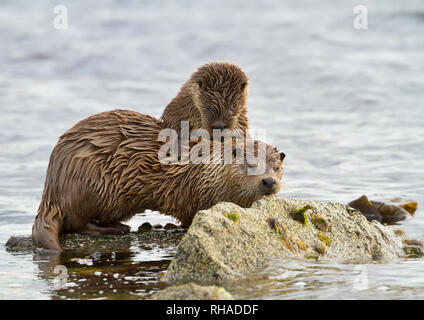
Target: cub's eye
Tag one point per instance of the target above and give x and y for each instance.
(230, 111)
(208, 108)
(276, 169)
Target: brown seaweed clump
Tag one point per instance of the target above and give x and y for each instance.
(382, 212)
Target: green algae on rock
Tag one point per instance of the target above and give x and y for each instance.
(302, 245)
(301, 216)
(324, 238)
(232, 216)
(413, 252)
(312, 256)
(282, 232)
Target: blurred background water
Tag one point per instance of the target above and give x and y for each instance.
(345, 105)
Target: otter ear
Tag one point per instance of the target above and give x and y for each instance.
(282, 156)
(243, 86)
(200, 84)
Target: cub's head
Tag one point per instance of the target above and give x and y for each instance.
(220, 95)
(259, 175)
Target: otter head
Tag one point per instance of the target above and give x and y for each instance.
(259, 176)
(219, 93)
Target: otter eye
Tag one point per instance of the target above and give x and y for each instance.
(208, 108)
(276, 169)
(231, 111)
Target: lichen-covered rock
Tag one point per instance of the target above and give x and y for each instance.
(216, 249)
(192, 291)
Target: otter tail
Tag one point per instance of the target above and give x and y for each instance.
(46, 228)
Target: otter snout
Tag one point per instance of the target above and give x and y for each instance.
(220, 125)
(269, 183)
(270, 186)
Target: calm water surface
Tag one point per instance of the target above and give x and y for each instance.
(345, 105)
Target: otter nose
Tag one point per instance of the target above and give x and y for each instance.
(269, 182)
(219, 125)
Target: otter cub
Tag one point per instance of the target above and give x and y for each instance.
(214, 97)
(105, 169)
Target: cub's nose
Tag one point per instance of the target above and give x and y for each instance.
(219, 125)
(269, 183)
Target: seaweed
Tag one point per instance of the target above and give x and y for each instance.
(282, 231)
(410, 207)
(320, 222)
(232, 216)
(312, 256)
(413, 252)
(301, 245)
(301, 216)
(324, 238)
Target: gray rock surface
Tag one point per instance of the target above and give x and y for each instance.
(192, 291)
(228, 242)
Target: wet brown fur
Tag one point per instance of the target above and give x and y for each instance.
(215, 92)
(106, 169)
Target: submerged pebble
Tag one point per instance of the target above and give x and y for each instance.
(145, 227)
(170, 226)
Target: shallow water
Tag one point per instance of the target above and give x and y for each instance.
(345, 105)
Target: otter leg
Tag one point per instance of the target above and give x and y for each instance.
(95, 229)
(116, 225)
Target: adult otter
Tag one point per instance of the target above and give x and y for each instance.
(214, 97)
(105, 169)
